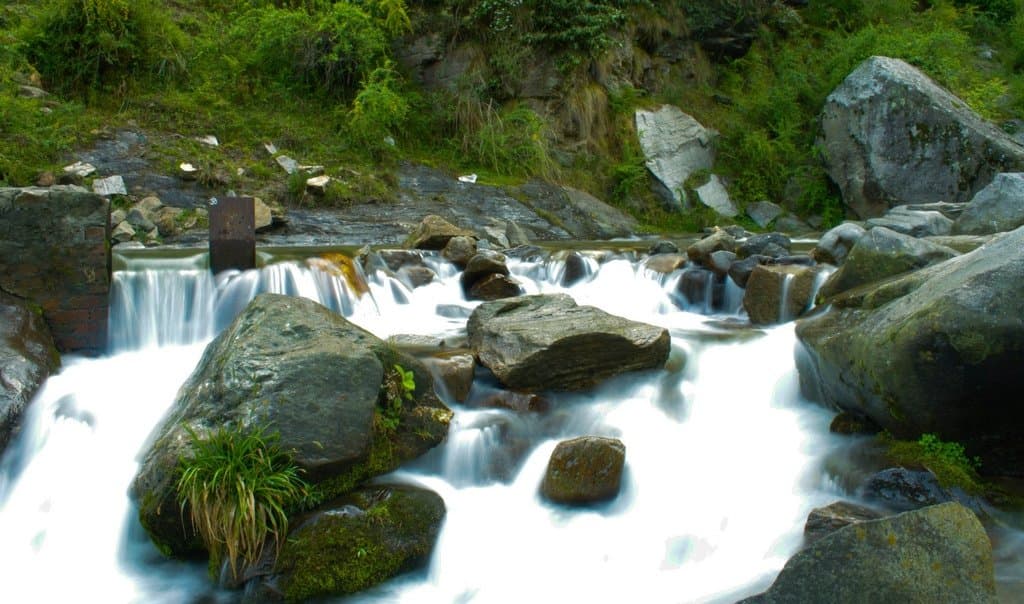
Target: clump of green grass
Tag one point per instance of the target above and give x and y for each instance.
(238, 486)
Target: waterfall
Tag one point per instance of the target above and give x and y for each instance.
(723, 456)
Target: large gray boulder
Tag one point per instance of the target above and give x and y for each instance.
(675, 146)
(835, 244)
(27, 357)
(353, 543)
(936, 554)
(934, 351)
(891, 135)
(778, 293)
(293, 367)
(916, 223)
(880, 254)
(996, 208)
(547, 342)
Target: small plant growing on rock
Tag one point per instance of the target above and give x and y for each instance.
(238, 487)
(399, 385)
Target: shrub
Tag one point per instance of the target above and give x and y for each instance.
(513, 142)
(378, 111)
(238, 487)
(94, 45)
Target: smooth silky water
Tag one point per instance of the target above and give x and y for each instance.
(724, 459)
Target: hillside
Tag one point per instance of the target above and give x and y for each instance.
(508, 89)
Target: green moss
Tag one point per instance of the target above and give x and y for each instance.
(381, 460)
(946, 461)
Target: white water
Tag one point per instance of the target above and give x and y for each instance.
(723, 458)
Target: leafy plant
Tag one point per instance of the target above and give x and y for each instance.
(399, 386)
(378, 111)
(238, 486)
(948, 452)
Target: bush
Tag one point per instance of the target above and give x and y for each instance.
(378, 111)
(239, 487)
(513, 142)
(99, 45)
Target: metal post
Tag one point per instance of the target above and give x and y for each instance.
(232, 233)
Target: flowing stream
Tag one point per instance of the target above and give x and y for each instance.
(724, 459)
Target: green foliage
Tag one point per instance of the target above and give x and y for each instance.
(378, 111)
(238, 487)
(398, 387)
(947, 460)
(513, 142)
(82, 46)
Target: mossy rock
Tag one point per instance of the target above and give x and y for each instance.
(354, 543)
(584, 470)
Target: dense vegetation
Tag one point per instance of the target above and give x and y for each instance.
(322, 80)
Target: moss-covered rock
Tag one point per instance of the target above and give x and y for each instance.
(937, 554)
(584, 470)
(935, 351)
(353, 543)
(293, 367)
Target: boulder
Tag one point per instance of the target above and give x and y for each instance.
(416, 276)
(765, 244)
(701, 289)
(495, 287)
(587, 217)
(764, 212)
(834, 245)
(934, 351)
(791, 224)
(720, 262)
(264, 216)
(675, 146)
(27, 357)
(123, 232)
(663, 246)
(353, 543)
(960, 243)
(433, 233)
(584, 470)
(455, 374)
(547, 342)
(665, 263)
(718, 240)
(292, 366)
(714, 195)
(520, 402)
(779, 293)
(112, 185)
(904, 489)
(916, 223)
(936, 554)
(996, 208)
(890, 135)
(880, 254)
(826, 520)
(576, 269)
(482, 264)
(459, 250)
(947, 209)
(741, 270)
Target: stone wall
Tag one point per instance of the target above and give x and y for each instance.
(55, 252)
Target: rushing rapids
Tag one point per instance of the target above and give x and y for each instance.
(724, 459)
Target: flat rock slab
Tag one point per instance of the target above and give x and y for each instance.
(547, 342)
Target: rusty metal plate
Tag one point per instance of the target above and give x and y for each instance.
(232, 233)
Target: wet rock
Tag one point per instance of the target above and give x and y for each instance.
(931, 352)
(937, 554)
(520, 402)
(494, 287)
(766, 244)
(292, 364)
(740, 270)
(720, 262)
(699, 287)
(455, 372)
(675, 146)
(27, 357)
(547, 342)
(663, 246)
(826, 520)
(433, 233)
(354, 543)
(888, 132)
(576, 269)
(880, 254)
(719, 240)
(763, 212)
(482, 264)
(584, 470)
(834, 245)
(395, 260)
(665, 263)
(850, 423)
(459, 250)
(912, 223)
(997, 208)
(779, 293)
(416, 276)
(960, 243)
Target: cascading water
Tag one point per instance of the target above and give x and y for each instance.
(723, 457)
